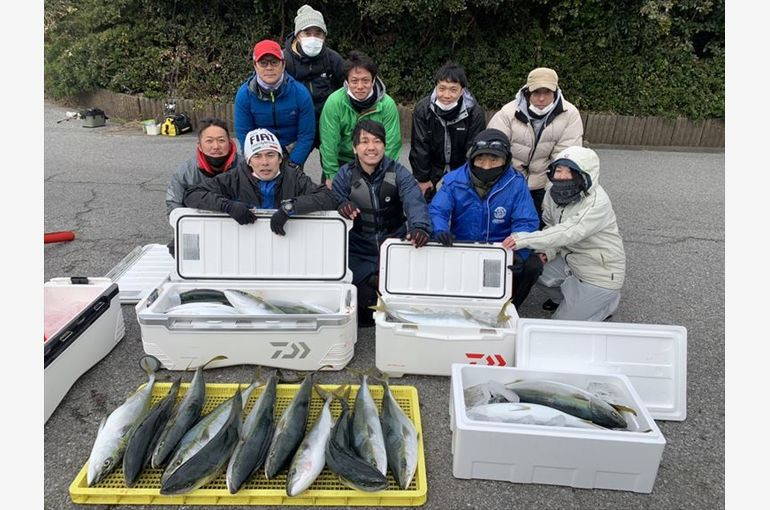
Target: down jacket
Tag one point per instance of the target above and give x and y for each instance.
(321, 75)
(287, 113)
(585, 233)
(507, 208)
(531, 156)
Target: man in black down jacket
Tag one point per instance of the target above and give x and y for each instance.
(266, 183)
(311, 62)
(443, 125)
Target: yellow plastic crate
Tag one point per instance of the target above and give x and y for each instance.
(325, 491)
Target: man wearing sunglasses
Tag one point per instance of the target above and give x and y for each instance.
(484, 201)
(271, 99)
(540, 123)
(268, 182)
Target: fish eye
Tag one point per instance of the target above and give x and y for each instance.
(107, 463)
(178, 462)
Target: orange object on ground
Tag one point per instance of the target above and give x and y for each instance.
(58, 237)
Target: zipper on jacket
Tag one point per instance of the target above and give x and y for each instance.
(275, 121)
(376, 207)
(488, 199)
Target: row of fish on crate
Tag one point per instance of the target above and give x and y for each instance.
(194, 450)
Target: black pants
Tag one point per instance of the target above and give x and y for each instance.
(367, 296)
(537, 197)
(525, 274)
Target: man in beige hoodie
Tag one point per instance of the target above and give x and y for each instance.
(585, 263)
(540, 123)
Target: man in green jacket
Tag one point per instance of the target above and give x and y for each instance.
(361, 96)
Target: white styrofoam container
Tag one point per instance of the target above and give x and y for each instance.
(84, 339)
(645, 365)
(214, 252)
(583, 458)
(470, 276)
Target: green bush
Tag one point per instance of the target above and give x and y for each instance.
(638, 57)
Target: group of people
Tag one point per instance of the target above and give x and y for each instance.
(523, 179)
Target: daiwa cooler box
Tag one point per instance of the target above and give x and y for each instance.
(468, 279)
(83, 322)
(308, 265)
(640, 366)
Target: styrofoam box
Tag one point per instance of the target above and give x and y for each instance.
(466, 276)
(91, 326)
(583, 458)
(215, 252)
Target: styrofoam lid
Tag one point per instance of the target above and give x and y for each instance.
(213, 246)
(653, 357)
(466, 271)
(140, 271)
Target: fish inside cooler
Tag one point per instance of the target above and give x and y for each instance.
(63, 304)
(447, 312)
(280, 300)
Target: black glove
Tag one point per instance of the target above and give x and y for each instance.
(347, 209)
(419, 237)
(239, 212)
(277, 221)
(446, 238)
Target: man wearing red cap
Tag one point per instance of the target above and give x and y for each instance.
(271, 99)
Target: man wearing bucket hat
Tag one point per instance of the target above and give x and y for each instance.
(271, 99)
(540, 123)
(268, 182)
(585, 260)
(484, 201)
(311, 62)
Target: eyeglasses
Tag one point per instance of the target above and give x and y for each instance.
(265, 63)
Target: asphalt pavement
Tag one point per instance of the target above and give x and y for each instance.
(107, 185)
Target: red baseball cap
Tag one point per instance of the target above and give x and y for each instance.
(267, 47)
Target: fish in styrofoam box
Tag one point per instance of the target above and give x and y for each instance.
(442, 305)
(551, 454)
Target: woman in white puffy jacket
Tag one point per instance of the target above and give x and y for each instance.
(585, 263)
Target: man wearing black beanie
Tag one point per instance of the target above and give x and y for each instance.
(485, 200)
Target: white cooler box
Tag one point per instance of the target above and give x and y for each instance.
(640, 366)
(83, 322)
(471, 277)
(215, 252)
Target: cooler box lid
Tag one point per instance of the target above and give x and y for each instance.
(213, 246)
(141, 271)
(653, 357)
(466, 271)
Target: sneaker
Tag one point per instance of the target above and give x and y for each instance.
(550, 306)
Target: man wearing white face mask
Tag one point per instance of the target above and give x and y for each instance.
(311, 62)
(540, 123)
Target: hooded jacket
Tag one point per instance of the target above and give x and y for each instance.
(189, 174)
(531, 155)
(288, 113)
(585, 233)
(338, 119)
(364, 245)
(507, 208)
(440, 145)
(321, 75)
(241, 185)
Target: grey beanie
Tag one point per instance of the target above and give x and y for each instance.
(308, 17)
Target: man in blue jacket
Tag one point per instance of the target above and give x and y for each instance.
(271, 99)
(485, 200)
(383, 199)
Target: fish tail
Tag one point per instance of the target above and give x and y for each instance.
(621, 408)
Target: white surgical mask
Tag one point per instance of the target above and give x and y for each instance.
(542, 111)
(445, 107)
(312, 46)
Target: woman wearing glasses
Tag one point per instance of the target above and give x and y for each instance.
(485, 200)
(271, 99)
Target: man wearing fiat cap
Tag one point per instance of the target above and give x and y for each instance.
(580, 244)
(271, 99)
(268, 182)
(484, 201)
(539, 123)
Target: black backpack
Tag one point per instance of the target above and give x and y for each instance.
(176, 125)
